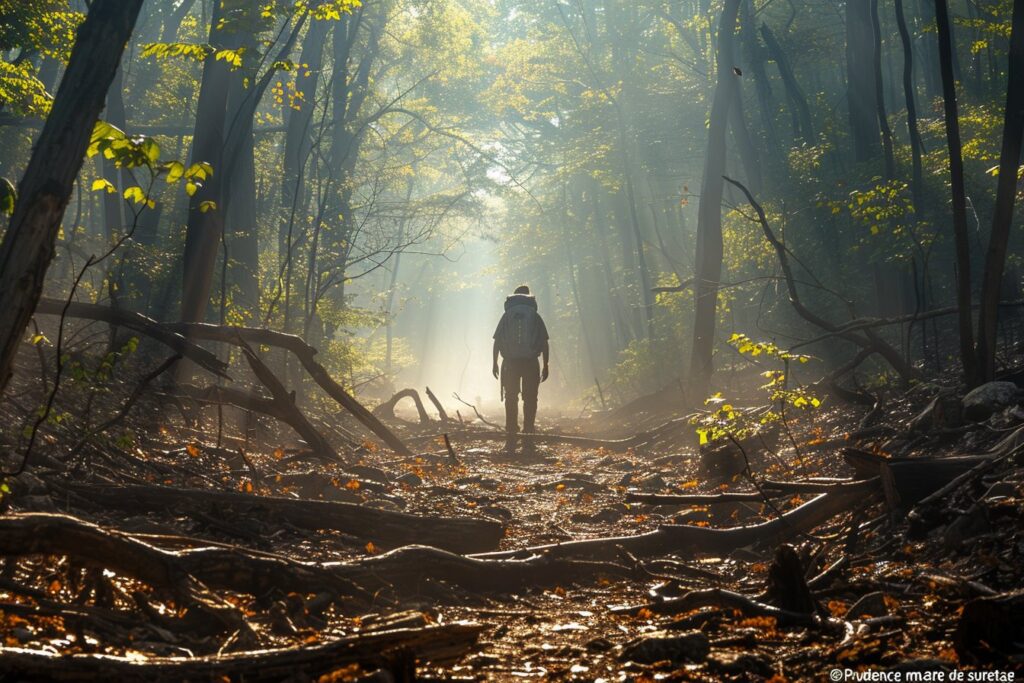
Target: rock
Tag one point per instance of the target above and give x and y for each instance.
(627, 479)
(28, 484)
(655, 483)
(658, 646)
(870, 605)
(1001, 490)
(972, 523)
(497, 512)
(410, 479)
(36, 504)
(340, 495)
(375, 474)
(741, 663)
(599, 644)
(607, 516)
(989, 398)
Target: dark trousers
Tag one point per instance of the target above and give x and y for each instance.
(520, 375)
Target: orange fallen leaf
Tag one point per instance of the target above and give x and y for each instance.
(371, 548)
(352, 485)
(192, 449)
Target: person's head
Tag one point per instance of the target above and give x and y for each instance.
(522, 289)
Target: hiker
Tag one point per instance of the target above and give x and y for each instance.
(520, 338)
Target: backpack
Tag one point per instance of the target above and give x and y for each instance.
(521, 333)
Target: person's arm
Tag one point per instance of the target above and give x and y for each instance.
(494, 354)
(546, 353)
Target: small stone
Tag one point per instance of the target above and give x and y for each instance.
(607, 516)
(870, 605)
(410, 479)
(989, 398)
(497, 511)
(658, 646)
(375, 474)
(741, 663)
(655, 483)
(969, 525)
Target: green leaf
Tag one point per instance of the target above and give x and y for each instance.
(103, 184)
(175, 170)
(7, 196)
(135, 194)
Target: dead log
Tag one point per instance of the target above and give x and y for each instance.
(675, 538)
(306, 355)
(407, 571)
(386, 409)
(990, 628)
(912, 479)
(385, 528)
(786, 587)
(693, 499)
(137, 322)
(435, 644)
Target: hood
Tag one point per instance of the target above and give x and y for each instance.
(520, 300)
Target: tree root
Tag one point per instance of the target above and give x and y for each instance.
(438, 644)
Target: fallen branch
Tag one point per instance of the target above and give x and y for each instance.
(384, 528)
(306, 355)
(673, 538)
(437, 404)
(869, 340)
(141, 324)
(387, 408)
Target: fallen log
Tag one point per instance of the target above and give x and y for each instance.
(387, 408)
(675, 538)
(384, 528)
(137, 323)
(693, 499)
(436, 644)
(406, 571)
(912, 479)
(306, 355)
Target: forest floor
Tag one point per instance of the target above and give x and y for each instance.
(116, 565)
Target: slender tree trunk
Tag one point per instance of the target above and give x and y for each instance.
(298, 140)
(205, 227)
(1006, 194)
(883, 118)
(861, 98)
(802, 123)
(959, 198)
(709, 225)
(917, 180)
(754, 55)
(45, 188)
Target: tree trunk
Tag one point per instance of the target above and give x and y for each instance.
(709, 221)
(44, 190)
(861, 98)
(202, 238)
(956, 176)
(917, 181)
(883, 118)
(802, 124)
(1006, 194)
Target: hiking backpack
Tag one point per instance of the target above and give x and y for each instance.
(521, 334)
